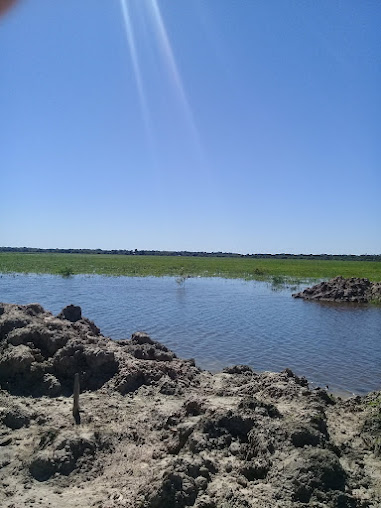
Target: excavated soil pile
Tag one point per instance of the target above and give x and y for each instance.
(157, 432)
(340, 289)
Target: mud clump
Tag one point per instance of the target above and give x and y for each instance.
(59, 454)
(157, 432)
(14, 416)
(339, 289)
(40, 354)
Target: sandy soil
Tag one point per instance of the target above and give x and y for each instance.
(157, 432)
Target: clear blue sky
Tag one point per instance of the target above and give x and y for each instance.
(216, 125)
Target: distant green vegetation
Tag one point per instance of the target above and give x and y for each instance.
(276, 270)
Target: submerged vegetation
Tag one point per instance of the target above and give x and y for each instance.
(66, 271)
(273, 270)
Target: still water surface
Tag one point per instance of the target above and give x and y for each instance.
(223, 322)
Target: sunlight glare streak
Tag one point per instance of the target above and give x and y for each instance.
(170, 61)
(137, 72)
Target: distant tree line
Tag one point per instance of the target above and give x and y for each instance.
(136, 252)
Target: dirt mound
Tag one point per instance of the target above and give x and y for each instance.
(40, 354)
(157, 432)
(340, 289)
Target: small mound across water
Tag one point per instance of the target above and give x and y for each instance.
(340, 289)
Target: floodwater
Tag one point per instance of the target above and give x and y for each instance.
(223, 322)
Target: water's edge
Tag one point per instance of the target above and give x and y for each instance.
(223, 322)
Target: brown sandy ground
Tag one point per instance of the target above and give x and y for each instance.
(157, 432)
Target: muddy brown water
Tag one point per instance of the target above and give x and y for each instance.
(223, 322)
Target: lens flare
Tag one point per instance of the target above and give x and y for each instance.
(136, 67)
(156, 33)
(170, 62)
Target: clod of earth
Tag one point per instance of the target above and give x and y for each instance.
(340, 289)
(157, 432)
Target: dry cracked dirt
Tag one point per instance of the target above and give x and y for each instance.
(158, 432)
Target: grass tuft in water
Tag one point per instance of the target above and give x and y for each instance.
(66, 271)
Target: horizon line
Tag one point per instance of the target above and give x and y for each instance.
(181, 251)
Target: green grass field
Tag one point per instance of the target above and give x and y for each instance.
(244, 268)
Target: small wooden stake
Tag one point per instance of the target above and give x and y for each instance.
(77, 417)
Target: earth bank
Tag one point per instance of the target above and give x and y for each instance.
(157, 432)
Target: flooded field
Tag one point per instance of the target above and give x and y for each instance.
(223, 322)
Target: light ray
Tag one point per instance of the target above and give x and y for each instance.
(170, 62)
(136, 67)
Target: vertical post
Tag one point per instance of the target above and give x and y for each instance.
(77, 417)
